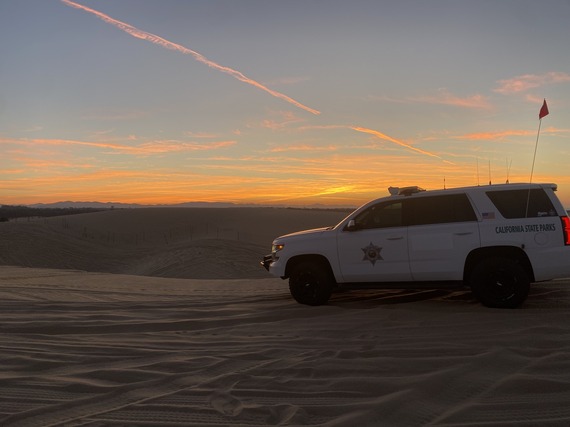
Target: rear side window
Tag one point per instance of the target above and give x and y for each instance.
(439, 210)
(513, 203)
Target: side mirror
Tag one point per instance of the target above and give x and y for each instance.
(351, 226)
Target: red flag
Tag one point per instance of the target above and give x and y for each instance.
(543, 110)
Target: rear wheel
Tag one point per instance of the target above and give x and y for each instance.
(500, 283)
(310, 283)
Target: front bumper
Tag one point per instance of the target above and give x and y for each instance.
(267, 260)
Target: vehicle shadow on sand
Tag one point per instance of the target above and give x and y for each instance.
(370, 298)
(555, 294)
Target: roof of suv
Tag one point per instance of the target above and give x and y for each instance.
(417, 191)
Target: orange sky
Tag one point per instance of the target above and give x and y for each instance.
(294, 104)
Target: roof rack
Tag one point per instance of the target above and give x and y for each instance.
(405, 191)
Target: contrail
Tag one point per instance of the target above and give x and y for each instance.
(140, 34)
(395, 141)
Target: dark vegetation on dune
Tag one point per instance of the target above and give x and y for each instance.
(10, 212)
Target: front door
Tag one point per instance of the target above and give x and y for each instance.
(375, 248)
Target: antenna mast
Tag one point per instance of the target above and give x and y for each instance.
(477, 158)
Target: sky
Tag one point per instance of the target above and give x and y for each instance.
(296, 103)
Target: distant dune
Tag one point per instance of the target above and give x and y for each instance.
(199, 243)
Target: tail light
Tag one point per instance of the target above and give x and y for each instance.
(566, 229)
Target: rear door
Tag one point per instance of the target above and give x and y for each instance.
(531, 218)
(443, 230)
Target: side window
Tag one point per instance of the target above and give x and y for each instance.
(513, 203)
(439, 209)
(382, 215)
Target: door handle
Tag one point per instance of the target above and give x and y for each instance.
(395, 238)
(464, 233)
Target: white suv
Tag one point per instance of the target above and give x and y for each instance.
(497, 239)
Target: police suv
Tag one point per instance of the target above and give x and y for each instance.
(496, 239)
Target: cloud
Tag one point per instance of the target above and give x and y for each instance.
(201, 135)
(323, 127)
(140, 34)
(13, 171)
(336, 190)
(504, 134)
(45, 164)
(395, 141)
(491, 136)
(331, 177)
(148, 148)
(308, 148)
(529, 81)
(445, 97)
(173, 146)
(283, 120)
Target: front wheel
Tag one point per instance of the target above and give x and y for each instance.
(500, 283)
(310, 283)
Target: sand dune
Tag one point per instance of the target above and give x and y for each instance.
(203, 243)
(92, 348)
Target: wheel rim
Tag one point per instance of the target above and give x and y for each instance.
(501, 284)
(307, 285)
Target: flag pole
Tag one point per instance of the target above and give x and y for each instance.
(535, 147)
(543, 112)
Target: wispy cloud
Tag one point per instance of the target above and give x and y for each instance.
(445, 97)
(45, 164)
(201, 135)
(280, 120)
(147, 148)
(529, 81)
(140, 34)
(174, 146)
(323, 127)
(305, 147)
(395, 141)
(336, 190)
(505, 134)
(493, 136)
(13, 171)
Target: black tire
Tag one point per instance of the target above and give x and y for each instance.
(500, 283)
(311, 283)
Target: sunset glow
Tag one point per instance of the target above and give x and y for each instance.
(340, 103)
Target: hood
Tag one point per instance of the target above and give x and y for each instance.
(304, 232)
